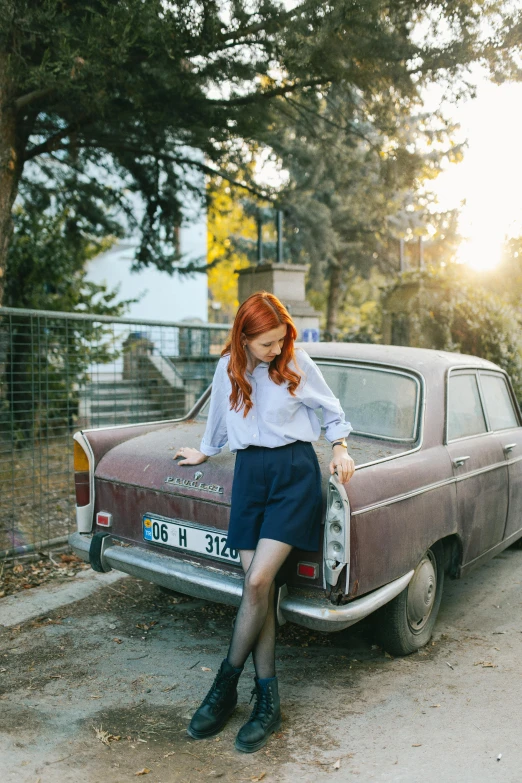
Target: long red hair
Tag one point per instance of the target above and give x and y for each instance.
(260, 313)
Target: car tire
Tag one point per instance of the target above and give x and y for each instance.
(405, 624)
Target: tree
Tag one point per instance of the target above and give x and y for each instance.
(506, 279)
(46, 272)
(54, 237)
(450, 309)
(139, 95)
(228, 228)
(355, 189)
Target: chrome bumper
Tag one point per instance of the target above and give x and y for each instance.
(222, 587)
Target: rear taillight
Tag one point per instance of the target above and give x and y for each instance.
(336, 546)
(82, 479)
(104, 519)
(83, 483)
(307, 569)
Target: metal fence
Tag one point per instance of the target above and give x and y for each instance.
(60, 372)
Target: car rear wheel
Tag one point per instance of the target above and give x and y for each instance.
(406, 623)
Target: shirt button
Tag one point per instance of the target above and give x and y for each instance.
(254, 435)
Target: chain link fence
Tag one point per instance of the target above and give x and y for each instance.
(60, 372)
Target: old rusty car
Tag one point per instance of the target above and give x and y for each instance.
(437, 443)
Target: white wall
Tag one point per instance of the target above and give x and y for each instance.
(164, 297)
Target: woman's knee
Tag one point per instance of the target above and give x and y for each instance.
(258, 585)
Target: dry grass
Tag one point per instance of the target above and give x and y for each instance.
(36, 492)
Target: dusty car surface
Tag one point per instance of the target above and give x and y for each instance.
(437, 443)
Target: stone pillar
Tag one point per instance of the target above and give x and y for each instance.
(287, 282)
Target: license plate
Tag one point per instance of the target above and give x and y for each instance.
(176, 534)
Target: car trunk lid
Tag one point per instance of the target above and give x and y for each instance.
(148, 462)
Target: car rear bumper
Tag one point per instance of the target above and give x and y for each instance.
(213, 584)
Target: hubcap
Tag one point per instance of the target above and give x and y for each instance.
(421, 592)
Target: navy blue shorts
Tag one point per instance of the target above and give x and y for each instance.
(276, 493)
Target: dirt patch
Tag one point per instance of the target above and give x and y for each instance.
(16, 719)
(131, 663)
(155, 738)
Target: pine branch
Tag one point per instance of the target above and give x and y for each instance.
(53, 143)
(32, 97)
(284, 89)
(267, 25)
(205, 168)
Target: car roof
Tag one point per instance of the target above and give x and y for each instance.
(418, 359)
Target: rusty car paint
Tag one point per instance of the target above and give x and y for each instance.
(401, 501)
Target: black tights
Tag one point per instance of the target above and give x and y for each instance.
(255, 626)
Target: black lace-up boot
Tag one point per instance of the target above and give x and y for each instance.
(218, 705)
(265, 718)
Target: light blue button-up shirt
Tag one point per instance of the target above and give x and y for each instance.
(276, 418)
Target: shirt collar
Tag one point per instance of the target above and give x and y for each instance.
(260, 365)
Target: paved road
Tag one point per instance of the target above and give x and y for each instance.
(134, 662)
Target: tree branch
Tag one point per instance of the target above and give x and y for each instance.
(350, 129)
(267, 24)
(263, 194)
(282, 90)
(218, 173)
(31, 97)
(53, 142)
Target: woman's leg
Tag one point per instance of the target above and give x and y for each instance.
(264, 648)
(258, 596)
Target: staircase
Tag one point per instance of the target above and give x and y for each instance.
(105, 403)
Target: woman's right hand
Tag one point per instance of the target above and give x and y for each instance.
(190, 456)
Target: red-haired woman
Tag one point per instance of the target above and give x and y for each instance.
(263, 402)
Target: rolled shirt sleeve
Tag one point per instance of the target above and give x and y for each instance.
(216, 436)
(316, 393)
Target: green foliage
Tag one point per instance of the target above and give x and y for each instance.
(450, 309)
(147, 97)
(360, 313)
(228, 226)
(46, 266)
(506, 278)
(46, 272)
(358, 186)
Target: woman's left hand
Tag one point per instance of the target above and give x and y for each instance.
(342, 464)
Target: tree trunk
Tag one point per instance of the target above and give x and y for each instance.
(11, 163)
(334, 297)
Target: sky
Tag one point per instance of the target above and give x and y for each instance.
(489, 179)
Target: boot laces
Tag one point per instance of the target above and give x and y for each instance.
(218, 691)
(263, 704)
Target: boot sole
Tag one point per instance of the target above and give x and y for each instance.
(251, 748)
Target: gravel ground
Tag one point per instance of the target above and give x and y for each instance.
(102, 688)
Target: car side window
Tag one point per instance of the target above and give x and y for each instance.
(499, 407)
(465, 414)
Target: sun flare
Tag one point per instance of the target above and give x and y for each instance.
(485, 186)
(482, 250)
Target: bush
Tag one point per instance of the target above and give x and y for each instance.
(448, 309)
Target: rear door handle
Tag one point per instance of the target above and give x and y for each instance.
(509, 447)
(458, 461)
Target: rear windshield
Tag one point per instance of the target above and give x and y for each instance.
(378, 402)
